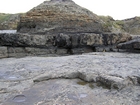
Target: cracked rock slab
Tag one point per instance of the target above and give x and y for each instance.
(71, 92)
(88, 79)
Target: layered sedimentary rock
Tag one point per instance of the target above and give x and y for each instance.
(61, 26)
(59, 16)
(63, 40)
(25, 44)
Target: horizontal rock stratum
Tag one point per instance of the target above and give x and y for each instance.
(59, 16)
(89, 79)
(60, 24)
(13, 45)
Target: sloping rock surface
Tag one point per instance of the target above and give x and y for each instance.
(132, 25)
(130, 45)
(61, 24)
(9, 21)
(59, 16)
(95, 78)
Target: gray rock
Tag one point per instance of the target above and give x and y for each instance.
(84, 42)
(132, 45)
(25, 40)
(3, 52)
(91, 41)
(60, 27)
(93, 78)
(132, 25)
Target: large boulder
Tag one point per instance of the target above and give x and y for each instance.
(59, 16)
(25, 40)
(132, 45)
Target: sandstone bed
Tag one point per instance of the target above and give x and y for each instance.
(61, 27)
(88, 79)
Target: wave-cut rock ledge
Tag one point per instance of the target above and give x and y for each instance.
(59, 27)
(19, 44)
(89, 79)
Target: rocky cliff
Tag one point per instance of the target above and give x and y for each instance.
(9, 21)
(132, 25)
(61, 26)
(56, 11)
(59, 16)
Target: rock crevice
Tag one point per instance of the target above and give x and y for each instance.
(111, 82)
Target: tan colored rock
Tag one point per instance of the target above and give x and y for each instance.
(59, 16)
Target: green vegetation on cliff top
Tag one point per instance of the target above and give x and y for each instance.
(9, 21)
(132, 25)
(4, 17)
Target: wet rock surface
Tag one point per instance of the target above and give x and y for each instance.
(88, 79)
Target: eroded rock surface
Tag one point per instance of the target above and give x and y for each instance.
(59, 27)
(132, 25)
(9, 21)
(63, 40)
(25, 44)
(94, 78)
(59, 16)
(132, 45)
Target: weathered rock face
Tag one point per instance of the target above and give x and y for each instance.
(3, 52)
(59, 16)
(61, 44)
(130, 45)
(111, 25)
(63, 40)
(90, 39)
(25, 40)
(132, 25)
(95, 78)
(61, 24)
(9, 21)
